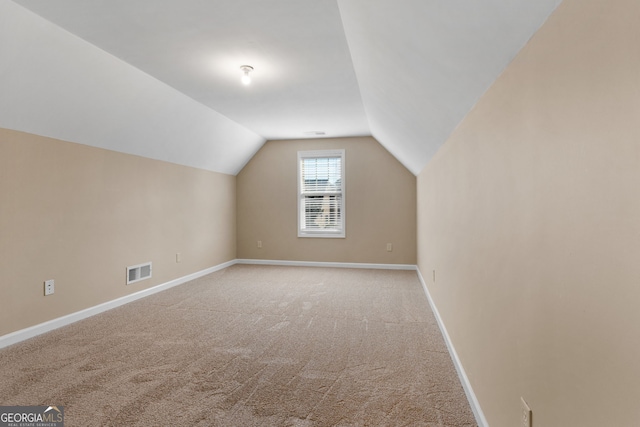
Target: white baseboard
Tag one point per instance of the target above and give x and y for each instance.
(23, 334)
(327, 264)
(466, 385)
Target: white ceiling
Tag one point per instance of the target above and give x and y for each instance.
(404, 71)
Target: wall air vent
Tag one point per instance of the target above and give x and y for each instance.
(135, 273)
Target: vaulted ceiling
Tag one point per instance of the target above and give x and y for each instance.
(161, 78)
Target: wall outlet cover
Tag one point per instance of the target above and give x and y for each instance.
(49, 287)
(526, 420)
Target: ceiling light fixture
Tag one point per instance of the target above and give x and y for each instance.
(246, 69)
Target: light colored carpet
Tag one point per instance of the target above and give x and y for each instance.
(250, 346)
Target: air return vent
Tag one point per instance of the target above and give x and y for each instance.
(135, 273)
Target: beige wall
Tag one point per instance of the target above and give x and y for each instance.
(380, 205)
(81, 215)
(530, 215)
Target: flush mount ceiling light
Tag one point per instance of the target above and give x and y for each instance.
(246, 69)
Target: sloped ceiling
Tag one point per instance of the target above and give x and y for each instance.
(161, 78)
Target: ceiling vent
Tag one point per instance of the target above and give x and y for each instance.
(315, 133)
(135, 273)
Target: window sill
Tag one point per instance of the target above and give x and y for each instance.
(323, 235)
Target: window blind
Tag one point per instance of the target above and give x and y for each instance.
(321, 193)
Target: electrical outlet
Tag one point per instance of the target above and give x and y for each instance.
(48, 287)
(259, 244)
(526, 414)
(389, 247)
(178, 257)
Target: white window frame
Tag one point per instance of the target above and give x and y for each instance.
(303, 231)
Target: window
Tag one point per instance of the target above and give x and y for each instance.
(321, 193)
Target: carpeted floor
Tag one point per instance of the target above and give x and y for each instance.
(250, 346)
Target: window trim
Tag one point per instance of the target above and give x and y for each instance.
(322, 233)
